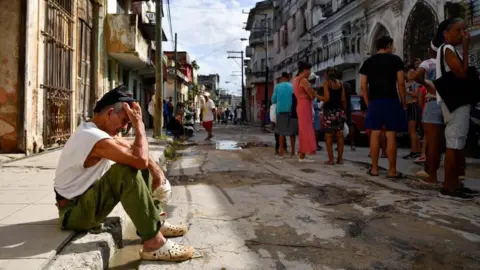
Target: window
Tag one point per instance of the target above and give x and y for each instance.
(262, 64)
(294, 22)
(304, 19)
(279, 35)
(121, 7)
(285, 36)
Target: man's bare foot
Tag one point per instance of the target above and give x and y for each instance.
(155, 243)
(329, 162)
(340, 161)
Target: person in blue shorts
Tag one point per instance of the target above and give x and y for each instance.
(380, 77)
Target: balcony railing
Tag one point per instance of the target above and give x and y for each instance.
(259, 37)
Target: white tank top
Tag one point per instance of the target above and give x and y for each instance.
(71, 178)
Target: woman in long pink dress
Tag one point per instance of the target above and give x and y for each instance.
(305, 95)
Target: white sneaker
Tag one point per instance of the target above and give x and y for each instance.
(306, 160)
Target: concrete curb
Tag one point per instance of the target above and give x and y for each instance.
(93, 250)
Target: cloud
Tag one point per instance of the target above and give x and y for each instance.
(207, 29)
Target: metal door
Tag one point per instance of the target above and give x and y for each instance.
(58, 41)
(419, 31)
(84, 71)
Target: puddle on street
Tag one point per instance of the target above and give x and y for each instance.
(227, 145)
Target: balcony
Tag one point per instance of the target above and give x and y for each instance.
(258, 37)
(342, 53)
(125, 41)
(258, 75)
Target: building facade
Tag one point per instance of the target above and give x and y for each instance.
(342, 33)
(59, 57)
(211, 84)
(184, 76)
(259, 23)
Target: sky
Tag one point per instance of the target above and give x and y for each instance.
(207, 29)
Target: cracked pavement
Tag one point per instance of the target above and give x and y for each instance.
(248, 211)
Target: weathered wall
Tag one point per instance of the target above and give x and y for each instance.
(10, 25)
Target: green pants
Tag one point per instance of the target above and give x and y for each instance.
(120, 183)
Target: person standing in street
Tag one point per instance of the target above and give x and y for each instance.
(305, 94)
(432, 119)
(239, 115)
(333, 114)
(380, 77)
(413, 114)
(317, 107)
(457, 122)
(208, 115)
(286, 124)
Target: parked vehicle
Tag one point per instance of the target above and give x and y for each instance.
(359, 112)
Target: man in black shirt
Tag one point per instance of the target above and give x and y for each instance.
(380, 77)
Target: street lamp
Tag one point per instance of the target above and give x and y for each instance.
(243, 39)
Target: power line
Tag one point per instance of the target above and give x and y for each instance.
(169, 16)
(206, 8)
(237, 62)
(217, 49)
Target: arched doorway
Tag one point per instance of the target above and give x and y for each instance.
(380, 31)
(419, 31)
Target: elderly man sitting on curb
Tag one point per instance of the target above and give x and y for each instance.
(97, 170)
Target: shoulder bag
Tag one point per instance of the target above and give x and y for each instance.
(456, 92)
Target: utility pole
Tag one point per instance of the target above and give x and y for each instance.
(267, 31)
(157, 118)
(175, 99)
(243, 85)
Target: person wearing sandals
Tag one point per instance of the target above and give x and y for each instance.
(333, 114)
(451, 33)
(286, 124)
(432, 118)
(380, 77)
(97, 170)
(304, 94)
(413, 114)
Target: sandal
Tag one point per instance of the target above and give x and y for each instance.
(328, 162)
(169, 230)
(399, 175)
(170, 252)
(420, 160)
(369, 172)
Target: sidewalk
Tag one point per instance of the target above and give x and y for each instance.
(29, 234)
(407, 167)
(30, 237)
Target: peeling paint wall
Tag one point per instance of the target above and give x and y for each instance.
(10, 25)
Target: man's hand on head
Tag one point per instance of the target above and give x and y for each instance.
(134, 113)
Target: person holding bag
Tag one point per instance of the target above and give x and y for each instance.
(455, 86)
(333, 114)
(304, 95)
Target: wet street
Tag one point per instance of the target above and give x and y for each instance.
(248, 210)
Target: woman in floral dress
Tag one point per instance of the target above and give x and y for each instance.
(333, 113)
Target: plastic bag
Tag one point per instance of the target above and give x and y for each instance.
(151, 108)
(163, 193)
(346, 130)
